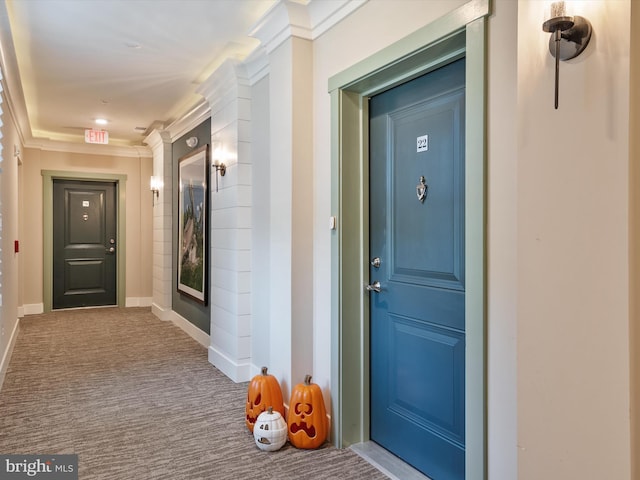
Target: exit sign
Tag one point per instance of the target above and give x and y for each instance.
(96, 136)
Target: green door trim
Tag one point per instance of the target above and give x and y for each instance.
(48, 176)
(460, 33)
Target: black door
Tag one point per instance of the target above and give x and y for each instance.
(84, 243)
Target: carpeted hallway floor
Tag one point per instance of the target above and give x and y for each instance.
(136, 398)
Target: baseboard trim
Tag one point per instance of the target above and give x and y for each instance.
(235, 371)
(254, 370)
(31, 309)
(162, 313)
(138, 302)
(6, 358)
(190, 329)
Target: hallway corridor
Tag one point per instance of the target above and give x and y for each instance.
(135, 398)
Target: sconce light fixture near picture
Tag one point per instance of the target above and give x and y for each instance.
(216, 161)
(570, 35)
(155, 185)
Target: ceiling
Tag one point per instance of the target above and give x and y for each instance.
(135, 63)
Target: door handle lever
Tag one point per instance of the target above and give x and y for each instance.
(374, 287)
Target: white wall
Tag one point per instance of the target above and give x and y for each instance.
(9, 232)
(260, 251)
(160, 144)
(280, 232)
(502, 241)
(573, 252)
(291, 201)
(634, 177)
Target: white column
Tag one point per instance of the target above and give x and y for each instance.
(229, 95)
(286, 35)
(160, 143)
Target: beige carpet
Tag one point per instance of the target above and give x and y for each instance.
(136, 398)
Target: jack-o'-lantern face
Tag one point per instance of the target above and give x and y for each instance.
(270, 431)
(307, 422)
(264, 392)
(254, 407)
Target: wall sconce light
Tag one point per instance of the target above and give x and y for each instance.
(570, 35)
(220, 167)
(155, 184)
(216, 163)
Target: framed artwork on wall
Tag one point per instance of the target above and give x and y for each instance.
(193, 194)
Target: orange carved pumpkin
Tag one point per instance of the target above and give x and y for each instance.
(307, 420)
(264, 392)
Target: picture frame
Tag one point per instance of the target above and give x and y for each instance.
(193, 224)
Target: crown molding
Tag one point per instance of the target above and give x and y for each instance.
(133, 151)
(307, 19)
(13, 93)
(157, 138)
(229, 76)
(325, 14)
(284, 20)
(257, 65)
(194, 117)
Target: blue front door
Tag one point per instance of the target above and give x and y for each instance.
(416, 209)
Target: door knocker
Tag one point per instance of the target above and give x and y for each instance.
(421, 189)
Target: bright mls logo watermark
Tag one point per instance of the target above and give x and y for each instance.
(44, 467)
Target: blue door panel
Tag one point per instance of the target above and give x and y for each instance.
(446, 307)
(442, 221)
(439, 351)
(417, 350)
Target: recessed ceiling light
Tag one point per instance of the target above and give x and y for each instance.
(101, 121)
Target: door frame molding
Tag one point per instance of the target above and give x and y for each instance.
(460, 33)
(48, 176)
